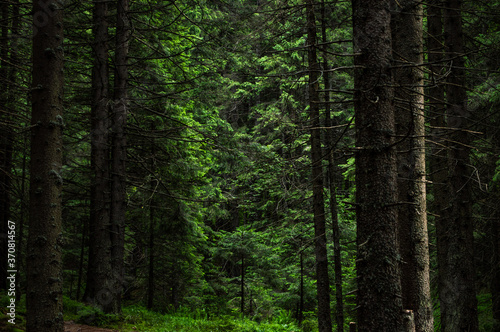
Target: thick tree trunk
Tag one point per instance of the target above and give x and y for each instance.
(99, 270)
(45, 239)
(457, 293)
(379, 287)
(407, 45)
(322, 279)
(119, 153)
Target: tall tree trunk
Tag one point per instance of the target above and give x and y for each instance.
(332, 172)
(407, 45)
(45, 239)
(379, 287)
(119, 152)
(99, 269)
(457, 293)
(323, 282)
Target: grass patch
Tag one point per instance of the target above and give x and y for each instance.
(138, 318)
(85, 314)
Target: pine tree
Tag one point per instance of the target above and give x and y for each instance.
(322, 283)
(379, 287)
(457, 293)
(119, 152)
(99, 265)
(407, 45)
(45, 239)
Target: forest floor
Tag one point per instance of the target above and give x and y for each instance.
(74, 327)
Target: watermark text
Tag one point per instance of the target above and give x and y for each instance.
(11, 271)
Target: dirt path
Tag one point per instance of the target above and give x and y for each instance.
(73, 327)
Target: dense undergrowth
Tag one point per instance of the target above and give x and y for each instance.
(137, 318)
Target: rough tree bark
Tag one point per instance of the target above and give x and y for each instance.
(379, 287)
(322, 279)
(99, 267)
(45, 238)
(457, 293)
(407, 45)
(119, 152)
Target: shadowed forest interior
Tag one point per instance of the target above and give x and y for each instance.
(250, 165)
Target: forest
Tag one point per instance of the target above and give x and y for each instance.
(250, 165)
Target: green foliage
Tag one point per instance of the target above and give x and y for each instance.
(138, 318)
(86, 314)
(496, 177)
(484, 308)
(219, 158)
(309, 325)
